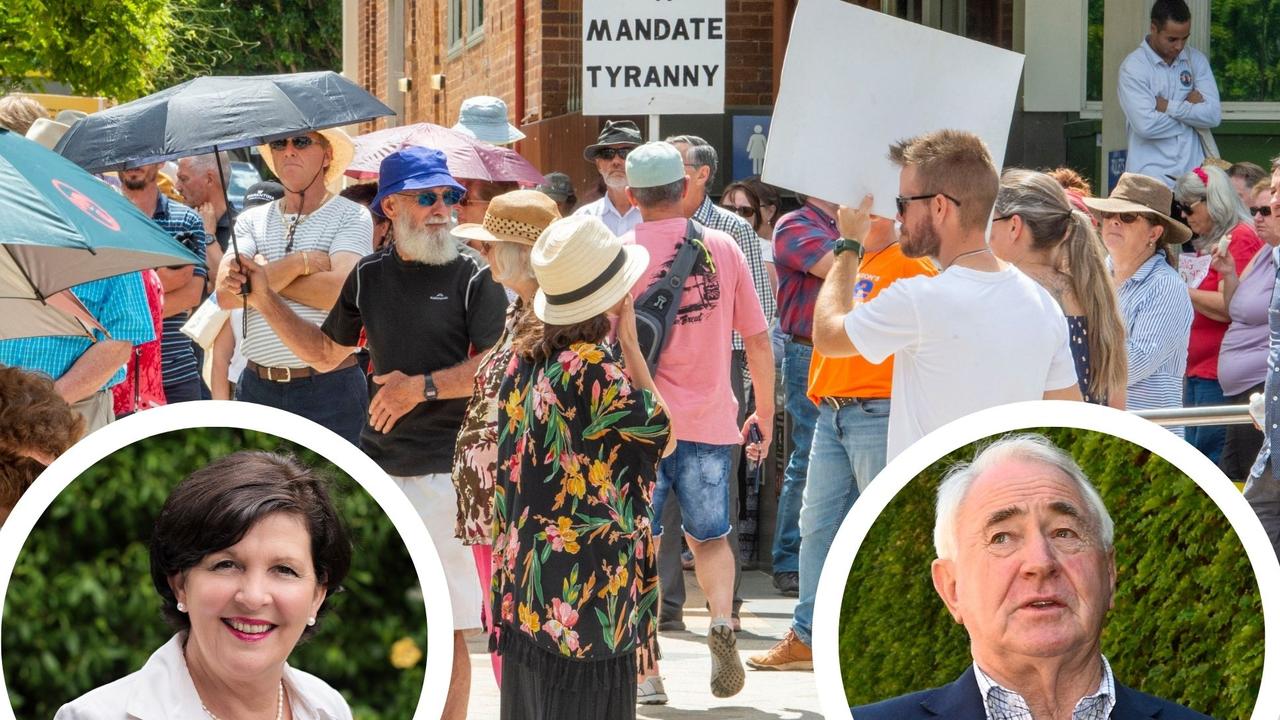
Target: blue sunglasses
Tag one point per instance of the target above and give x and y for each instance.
(427, 198)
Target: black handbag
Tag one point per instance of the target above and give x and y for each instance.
(657, 306)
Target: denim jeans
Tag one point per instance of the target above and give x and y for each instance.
(697, 475)
(1208, 439)
(848, 451)
(795, 378)
(337, 400)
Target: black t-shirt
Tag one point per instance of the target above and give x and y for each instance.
(418, 319)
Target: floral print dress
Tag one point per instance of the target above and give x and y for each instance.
(575, 576)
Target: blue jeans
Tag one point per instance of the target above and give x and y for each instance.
(698, 474)
(849, 450)
(795, 378)
(337, 400)
(1208, 439)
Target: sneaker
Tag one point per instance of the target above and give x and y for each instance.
(670, 622)
(788, 654)
(727, 675)
(787, 583)
(651, 692)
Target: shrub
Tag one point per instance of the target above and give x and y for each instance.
(1187, 623)
(81, 610)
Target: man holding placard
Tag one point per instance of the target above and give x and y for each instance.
(978, 335)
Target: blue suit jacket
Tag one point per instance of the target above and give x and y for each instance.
(961, 700)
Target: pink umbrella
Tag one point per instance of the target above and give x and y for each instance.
(469, 159)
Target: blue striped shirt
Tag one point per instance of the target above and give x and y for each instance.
(177, 355)
(1157, 315)
(118, 302)
(717, 218)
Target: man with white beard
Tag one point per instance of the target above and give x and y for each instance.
(609, 154)
(429, 313)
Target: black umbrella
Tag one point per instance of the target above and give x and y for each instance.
(209, 114)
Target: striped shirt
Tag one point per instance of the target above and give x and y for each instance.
(1002, 703)
(717, 218)
(1157, 316)
(118, 302)
(339, 225)
(177, 355)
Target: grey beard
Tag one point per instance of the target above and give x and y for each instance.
(429, 244)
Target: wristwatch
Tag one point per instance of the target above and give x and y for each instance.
(429, 389)
(846, 245)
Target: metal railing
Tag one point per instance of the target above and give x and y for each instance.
(1198, 416)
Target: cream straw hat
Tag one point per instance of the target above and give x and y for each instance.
(582, 270)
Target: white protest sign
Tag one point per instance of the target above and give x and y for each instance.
(653, 57)
(855, 81)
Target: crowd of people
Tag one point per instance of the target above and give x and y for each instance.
(487, 345)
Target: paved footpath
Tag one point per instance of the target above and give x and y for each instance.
(686, 665)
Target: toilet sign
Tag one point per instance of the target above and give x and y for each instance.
(653, 57)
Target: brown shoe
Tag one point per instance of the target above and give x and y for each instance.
(788, 654)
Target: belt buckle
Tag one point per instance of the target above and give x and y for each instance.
(288, 374)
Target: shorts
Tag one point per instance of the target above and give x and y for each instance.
(698, 474)
(436, 501)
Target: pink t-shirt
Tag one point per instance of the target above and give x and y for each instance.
(693, 372)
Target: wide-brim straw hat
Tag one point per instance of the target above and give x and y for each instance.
(1147, 196)
(583, 270)
(343, 152)
(519, 216)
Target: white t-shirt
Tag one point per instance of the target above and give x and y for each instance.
(339, 225)
(962, 341)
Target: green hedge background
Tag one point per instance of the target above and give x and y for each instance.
(1187, 623)
(81, 610)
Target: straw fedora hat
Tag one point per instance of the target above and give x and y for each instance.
(583, 269)
(343, 151)
(1136, 193)
(518, 216)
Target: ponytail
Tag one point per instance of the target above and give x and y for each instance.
(1091, 283)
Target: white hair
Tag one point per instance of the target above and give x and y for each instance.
(1027, 447)
(510, 262)
(204, 163)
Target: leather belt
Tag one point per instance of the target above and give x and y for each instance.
(802, 340)
(287, 374)
(836, 403)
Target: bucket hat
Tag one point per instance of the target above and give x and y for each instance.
(485, 118)
(1147, 196)
(614, 134)
(413, 168)
(583, 269)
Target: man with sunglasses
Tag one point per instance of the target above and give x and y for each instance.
(609, 154)
(978, 335)
(310, 240)
(429, 312)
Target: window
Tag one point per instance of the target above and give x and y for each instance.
(475, 20)
(453, 25)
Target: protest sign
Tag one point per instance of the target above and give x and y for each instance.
(856, 80)
(653, 58)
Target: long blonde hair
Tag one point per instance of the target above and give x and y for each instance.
(1053, 222)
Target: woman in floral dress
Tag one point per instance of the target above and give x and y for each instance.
(575, 586)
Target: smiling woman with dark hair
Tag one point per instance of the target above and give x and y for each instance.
(244, 554)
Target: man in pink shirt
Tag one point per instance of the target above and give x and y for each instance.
(693, 377)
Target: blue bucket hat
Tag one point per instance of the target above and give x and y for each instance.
(413, 168)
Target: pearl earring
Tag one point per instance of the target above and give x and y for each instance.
(182, 607)
(311, 621)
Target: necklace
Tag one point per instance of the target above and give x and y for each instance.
(279, 705)
(297, 220)
(967, 254)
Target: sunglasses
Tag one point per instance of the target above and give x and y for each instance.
(902, 201)
(1263, 210)
(427, 198)
(611, 153)
(745, 211)
(1128, 218)
(301, 142)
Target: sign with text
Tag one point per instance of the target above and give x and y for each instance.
(855, 81)
(653, 57)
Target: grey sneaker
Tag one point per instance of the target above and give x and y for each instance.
(651, 692)
(727, 675)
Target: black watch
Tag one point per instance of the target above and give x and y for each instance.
(429, 389)
(846, 245)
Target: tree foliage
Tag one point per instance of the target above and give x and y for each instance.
(81, 610)
(1187, 622)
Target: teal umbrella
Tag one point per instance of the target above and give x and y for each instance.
(61, 226)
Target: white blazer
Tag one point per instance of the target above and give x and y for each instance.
(162, 690)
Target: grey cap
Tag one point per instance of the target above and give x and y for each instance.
(558, 187)
(654, 164)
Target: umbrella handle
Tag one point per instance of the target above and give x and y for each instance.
(235, 248)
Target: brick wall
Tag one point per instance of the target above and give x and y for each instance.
(748, 52)
(372, 72)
